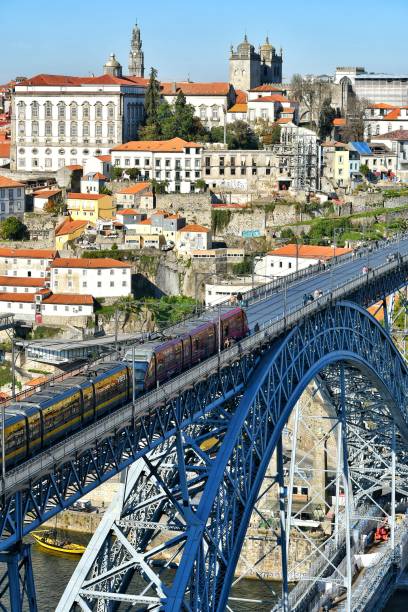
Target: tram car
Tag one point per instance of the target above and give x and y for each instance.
(53, 413)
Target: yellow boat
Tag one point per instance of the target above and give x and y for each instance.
(47, 540)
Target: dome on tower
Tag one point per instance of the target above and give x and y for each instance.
(112, 66)
(267, 46)
(245, 47)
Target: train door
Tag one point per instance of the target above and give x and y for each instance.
(186, 341)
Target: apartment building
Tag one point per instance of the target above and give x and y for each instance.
(97, 277)
(12, 198)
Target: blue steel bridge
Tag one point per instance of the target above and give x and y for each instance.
(197, 450)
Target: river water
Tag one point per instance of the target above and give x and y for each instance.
(53, 570)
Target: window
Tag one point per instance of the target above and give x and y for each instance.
(61, 129)
(99, 284)
(98, 129)
(48, 128)
(127, 161)
(34, 110)
(55, 307)
(61, 110)
(137, 162)
(146, 161)
(124, 283)
(188, 163)
(84, 284)
(111, 130)
(85, 110)
(21, 128)
(203, 113)
(66, 308)
(99, 272)
(98, 110)
(112, 283)
(73, 110)
(214, 113)
(85, 129)
(48, 110)
(35, 128)
(74, 129)
(158, 162)
(111, 110)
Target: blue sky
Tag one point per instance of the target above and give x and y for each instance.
(192, 38)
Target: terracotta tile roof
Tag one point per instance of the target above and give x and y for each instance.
(239, 108)
(46, 193)
(175, 145)
(5, 181)
(29, 253)
(334, 143)
(40, 380)
(308, 251)
(267, 88)
(5, 150)
(70, 226)
(86, 196)
(145, 222)
(382, 105)
(98, 176)
(135, 188)
(67, 299)
(273, 98)
(21, 281)
(394, 114)
(283, 120)
(52, 80)
(395, 135)
(194, 227)
(195, 89)
(339, 121)
(241, 96)
(82, 262)
(128, 211)
(74, 167)
(104, 158)
(26, 298)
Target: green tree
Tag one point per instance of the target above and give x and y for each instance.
(54, 207)
(159, 186)
(152, 100)
(268, 132)
(239, 136)
(326, 116)
(201, 185)
(13, 229)
(116, 172)
(364, 169)
(133, 173)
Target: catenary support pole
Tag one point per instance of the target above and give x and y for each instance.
(346, 484)
(282, 526)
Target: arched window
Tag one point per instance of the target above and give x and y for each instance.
(48, 110)
(98, 129)
(21, 110)
(21, 128)
(74, 110)
(111, 110)
(85, 129)
(61, 128)
(34, 128)
(34, 110)
(85, 110)
(61, 110)
(98, 110)
(111, 130)
(48, 128)
(74, 129)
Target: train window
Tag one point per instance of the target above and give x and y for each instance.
(196, 343)
(294, 490)
(304, 490)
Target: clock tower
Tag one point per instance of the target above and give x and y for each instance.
(136, 55)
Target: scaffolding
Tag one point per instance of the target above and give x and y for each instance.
(298, 158)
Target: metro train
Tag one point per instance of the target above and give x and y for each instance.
(56, 411)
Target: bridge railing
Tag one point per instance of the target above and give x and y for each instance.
(75, 443)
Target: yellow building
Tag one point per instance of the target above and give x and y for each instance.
(90, 206)
(69, 230)
(336, 163)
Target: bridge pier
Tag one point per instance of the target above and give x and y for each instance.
(18, 579)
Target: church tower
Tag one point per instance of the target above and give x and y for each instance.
(136, 55)
(112, 66)
(271, 63)
(244, 66)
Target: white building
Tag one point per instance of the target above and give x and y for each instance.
(193, 237)
(210, 100)
(13, 284)
(12, 198)
(98, 163)
(397, 142)
(217, 293)
(175, 161)
(138, 194)
(97, 277)
(35, 263)
(384, 118)
(44, 307)
(5, 147)
(62, 120)
(294, 257)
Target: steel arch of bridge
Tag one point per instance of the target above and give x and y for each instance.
(210, 532)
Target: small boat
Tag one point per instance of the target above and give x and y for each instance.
(48, 540)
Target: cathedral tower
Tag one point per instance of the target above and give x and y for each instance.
(136, 55)
(112, 66)
(244, 66)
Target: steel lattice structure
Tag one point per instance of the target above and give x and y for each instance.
(201, 486)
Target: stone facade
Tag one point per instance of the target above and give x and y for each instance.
(249, 69)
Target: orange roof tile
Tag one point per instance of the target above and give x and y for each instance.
(128, 211)
(74, 167)
(40, 380)
(104, 158)
(175, 145)
(86, 196)
(394, 114)
(238, 108)
(82, 262)
(382, 105)
(5, 150)
(241, 96)
(339, 121)
(283, 120)
(29, 253)
(195, 89)
(68, 227)
(145, 222)
(27, 298)
(68, 299)
(50, 80)
(46, 193)
(135, 188)
(194, 227)
(5, 181)
(273, 98)
(21, 281)
(308, 251)
(267, 88)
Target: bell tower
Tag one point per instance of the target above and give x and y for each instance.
(136, 55)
